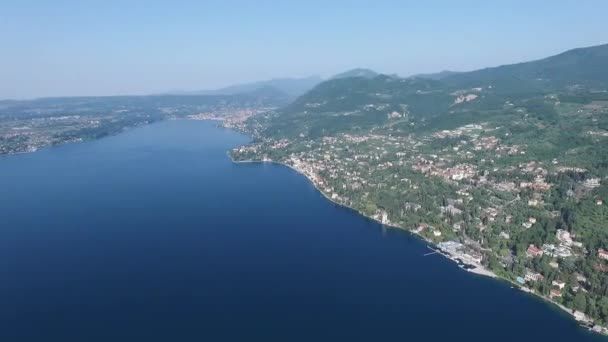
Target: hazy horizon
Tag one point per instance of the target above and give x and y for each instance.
(66, 48)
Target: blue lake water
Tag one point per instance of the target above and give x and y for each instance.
(155, 235)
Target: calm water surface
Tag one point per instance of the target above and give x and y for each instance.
(154, 235)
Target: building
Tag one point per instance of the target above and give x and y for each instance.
(450, 209)
(385, 217)
(602, 254)
(561, 251)
(533, 203)
(533, 276)
(421, 227)
(558, 283)
(473, 256)
(457, 226)
(564, 236)
(592, 183)
(580, 316)
(555, 293)
(534, 252)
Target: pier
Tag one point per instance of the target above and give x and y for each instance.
(434, 251)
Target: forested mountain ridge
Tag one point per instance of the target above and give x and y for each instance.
(577, 68)
(357, 72)
(352, 103)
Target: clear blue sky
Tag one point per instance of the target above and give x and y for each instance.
(55, 48)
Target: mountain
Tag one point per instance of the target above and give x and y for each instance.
(361, 99)
(582, 67)
(292, 87)
(358, 72)
(436, 76)
(266, 94)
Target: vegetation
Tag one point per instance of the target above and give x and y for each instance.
(512, 162)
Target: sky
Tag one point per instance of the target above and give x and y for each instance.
(82, 48)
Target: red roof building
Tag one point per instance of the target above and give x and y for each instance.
(534, 252)
(602, 254)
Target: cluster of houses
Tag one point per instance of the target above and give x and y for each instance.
(432, 168)
(470, 129)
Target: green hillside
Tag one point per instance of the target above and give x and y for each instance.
(345, 104)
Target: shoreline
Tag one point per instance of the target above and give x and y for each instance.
(477, 270)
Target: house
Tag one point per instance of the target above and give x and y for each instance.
(554, 264)
(473, 256)
(564, 236)
(579, 316)
(412, 206)
(599, 202)
(580, 278)
(602, 254)
(534, 252)
(533, 276)
(457, 226)
(592, 183)
(558, 283)
(421, 227)
(450, 209)
(385, 217)
(437, 233)
(559, 251)
(555, 293)
(532, 220)
(600, 267)
(533, 202)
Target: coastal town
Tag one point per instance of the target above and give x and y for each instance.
(29, 125)
(478, 193)
(230, 118)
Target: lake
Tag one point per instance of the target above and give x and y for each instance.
(155, 235)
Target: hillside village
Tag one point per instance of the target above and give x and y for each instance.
(488, 193)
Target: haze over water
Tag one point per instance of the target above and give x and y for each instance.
(155, 235)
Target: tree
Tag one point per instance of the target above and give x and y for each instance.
(603, 308)
(580, 302)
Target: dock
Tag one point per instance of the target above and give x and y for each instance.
(434, 251)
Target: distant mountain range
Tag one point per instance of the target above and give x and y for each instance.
(279, 87)
(358, 72)
(291, 87)
(437, 75)
(585, 68)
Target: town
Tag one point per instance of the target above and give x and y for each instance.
(478, 192)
